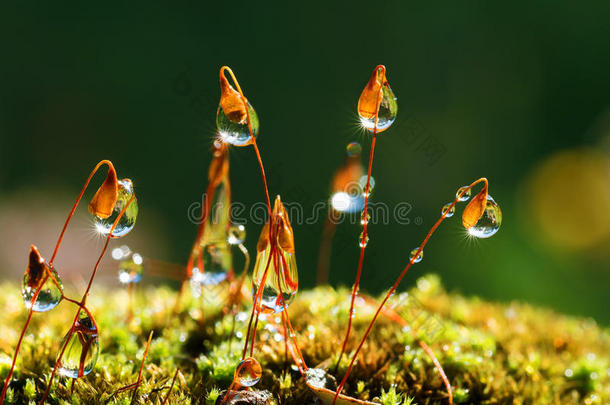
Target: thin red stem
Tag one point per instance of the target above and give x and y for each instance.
(21, 336)
(80, 196)
(135, 390)
(170, 387)
(397, 282)
(57, 245)
(84, 300)
(364, 237)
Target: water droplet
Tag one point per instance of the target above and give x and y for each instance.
(217, 265)
(388, 106)
(39, 276)
(128, 220)
(415, 257)
(248, 372)
(466, 193)
(237, 235)
(82, 350)
(236, 131)
(448, 210)
(354, 149)
(490, 221)
(131, 266)
(283, 264)
(275, 270)
(362, 182)
(363, 241)
(365, 219)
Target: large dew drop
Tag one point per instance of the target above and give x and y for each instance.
(39, 276)
(236, 131)
(275, 270)
(128, 220)
(248, 372)
(490, 221)
(281, 276)
(217, 265)
(82, 350)
(368, 106)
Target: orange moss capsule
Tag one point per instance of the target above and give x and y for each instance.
(236, 119)
(377, 106)
(475, 208)
(41, 278)
(103, 202)
(275, 276)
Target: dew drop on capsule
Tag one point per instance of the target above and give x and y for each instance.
(236, 131)
(415, 257)
(82, 350)
(448, 210)
(388, 106)
(490, 221)
(237, 235)
(354, 149)
(466, 193)
(128, 220)
(248, 372)
(51, 289)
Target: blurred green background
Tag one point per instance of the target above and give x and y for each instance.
(515, 92)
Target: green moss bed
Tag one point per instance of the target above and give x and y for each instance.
(492, 353)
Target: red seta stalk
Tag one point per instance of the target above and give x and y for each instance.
(364, 236)
(137, 383)
(55, 251)
(170, 387)
(83, 300)
(399, 279)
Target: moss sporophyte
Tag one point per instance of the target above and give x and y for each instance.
(423, 345)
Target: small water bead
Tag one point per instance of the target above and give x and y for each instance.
(82, 350)
(467, 191)
(39, 276)
(354, 149)
(236, 132)
(388, 108)
(365, 220)
(128, 220)
(490, 221)
(237, 235)
(448, 210)
(415, 257)
(248, 372)
(362, 182)
(363, 240)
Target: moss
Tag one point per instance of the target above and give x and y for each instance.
(492, 353)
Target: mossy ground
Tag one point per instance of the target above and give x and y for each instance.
(492, 353)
